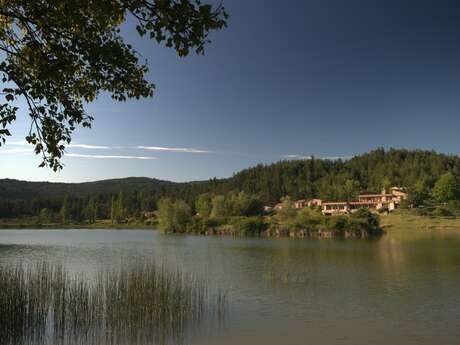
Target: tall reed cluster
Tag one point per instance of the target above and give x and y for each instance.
(142, 304)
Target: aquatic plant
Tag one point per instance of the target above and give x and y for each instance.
(139, 304)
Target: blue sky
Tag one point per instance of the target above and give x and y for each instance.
(286, 79)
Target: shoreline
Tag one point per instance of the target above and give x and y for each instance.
(404, 221)
(396, 222)
(57, 226)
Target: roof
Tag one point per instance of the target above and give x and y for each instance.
(351, 203)
(361, 203)
(373, 195)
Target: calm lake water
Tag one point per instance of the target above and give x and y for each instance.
(399, 289)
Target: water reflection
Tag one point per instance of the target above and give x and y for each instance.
(400, 288)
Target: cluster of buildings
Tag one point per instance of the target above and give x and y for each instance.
(383, 201)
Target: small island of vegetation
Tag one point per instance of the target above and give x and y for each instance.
(240, 214)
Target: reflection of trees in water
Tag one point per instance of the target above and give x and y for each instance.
(404, 260)
(143, 304)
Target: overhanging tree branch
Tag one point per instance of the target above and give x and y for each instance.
(60, 54)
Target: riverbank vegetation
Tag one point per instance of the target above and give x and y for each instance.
(243, 215)
(145, 303)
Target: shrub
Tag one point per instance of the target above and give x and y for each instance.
(365, 218)
(249, 226)
(336, 223)
(200, 224)
(287, 214)
(307, 219)
(442, 212)
(454, 206)
(216, 222)
(197, 224)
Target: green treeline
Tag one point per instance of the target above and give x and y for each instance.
(429, 176)
(119, 208)
(178, 216)
(332, 180)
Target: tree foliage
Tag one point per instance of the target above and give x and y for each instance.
(203, 205)
(447, 188)
(118, 210)
(287, 212)
(64, 212)
(59, 55)
(173, 216)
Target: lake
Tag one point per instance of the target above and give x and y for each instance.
(402, 288)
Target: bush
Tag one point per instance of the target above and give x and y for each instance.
(200, 224)
(442, 212)
(216, 222)
(365, 219)
(249, 226)
(307, 219)
(337, 223)
(454, 206)
(197, 225)
(287, 214)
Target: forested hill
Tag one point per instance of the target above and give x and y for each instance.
(326, 179)
(331, 179)
(22, 190)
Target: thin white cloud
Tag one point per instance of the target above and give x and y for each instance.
(296, 157)
(18, 143)
(81, 146)
(105, 147)
(172, 149)
(17, 150)
(336, 158)
(77, 155)
(331, 158)
(91, 147)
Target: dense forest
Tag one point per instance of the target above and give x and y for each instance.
(326, 179)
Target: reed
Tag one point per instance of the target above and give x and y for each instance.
(141, 304)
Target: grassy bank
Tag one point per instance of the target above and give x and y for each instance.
(410, 220)
(299, 226)
(32, 223)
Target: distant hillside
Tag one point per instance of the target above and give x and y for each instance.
(23, 190)
(326, 179)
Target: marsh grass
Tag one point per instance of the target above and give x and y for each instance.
(142, 304)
